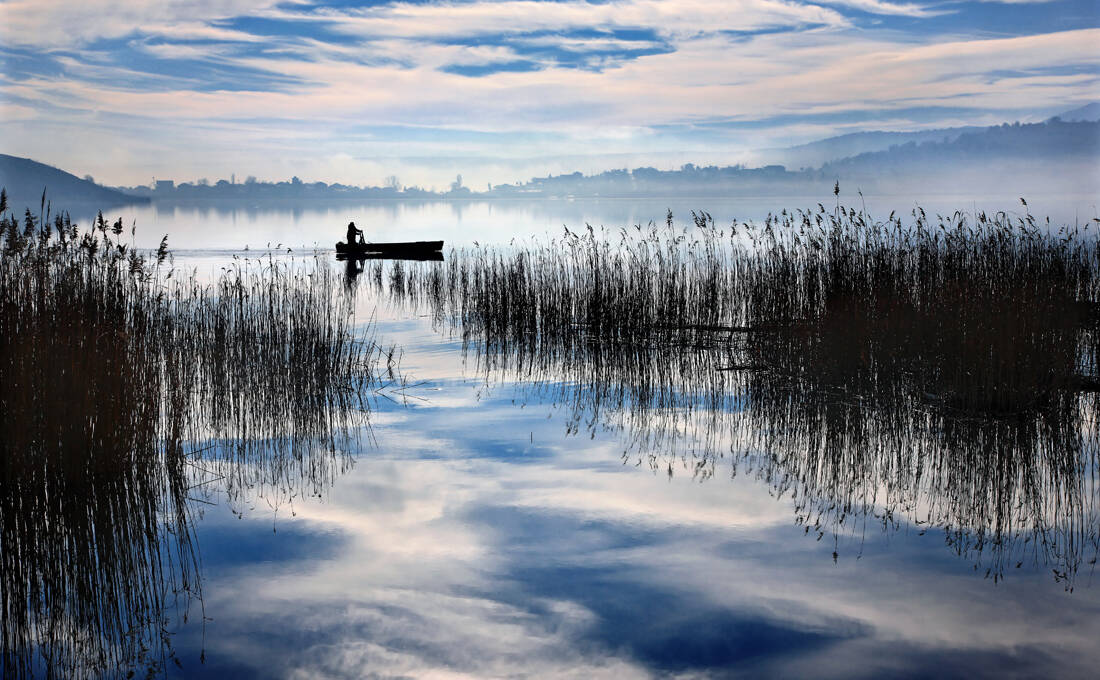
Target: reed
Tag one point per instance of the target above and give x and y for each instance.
(939, 369)
(126, 394)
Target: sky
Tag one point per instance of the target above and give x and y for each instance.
(355, 91)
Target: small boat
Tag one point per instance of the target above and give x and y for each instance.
(425, 256)
(402, 249)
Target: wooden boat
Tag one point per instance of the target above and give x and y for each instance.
(426, 256)
(396, 249)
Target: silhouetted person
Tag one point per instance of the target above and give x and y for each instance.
(352, 231)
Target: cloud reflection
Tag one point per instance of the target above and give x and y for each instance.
(452, 563)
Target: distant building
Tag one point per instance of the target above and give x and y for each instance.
(164, 185)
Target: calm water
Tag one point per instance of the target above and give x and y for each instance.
(494, 520)
(234, 225)
(486, 530)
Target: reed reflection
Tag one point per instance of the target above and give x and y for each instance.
(939, 372)
(128, 395)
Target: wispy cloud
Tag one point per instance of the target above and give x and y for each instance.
(687, 17)
(571, 77)
(902, 9)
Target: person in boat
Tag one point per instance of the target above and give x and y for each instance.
(352, 231)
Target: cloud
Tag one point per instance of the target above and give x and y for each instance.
(53, 24)
(532, 78)
(57, 24)
(181, 50)
(686, 17)
(881, 7)
(12, 112)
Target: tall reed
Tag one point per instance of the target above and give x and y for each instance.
(942, 369)
(125, 392)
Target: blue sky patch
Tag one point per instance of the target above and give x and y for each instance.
(480, 70)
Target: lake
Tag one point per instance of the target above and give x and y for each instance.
(230, 225)
(542, 511)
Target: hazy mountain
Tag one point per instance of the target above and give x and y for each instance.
(1086, 113)
(25, 179)
(1056, 156)
(816, 154)
(1053, 157)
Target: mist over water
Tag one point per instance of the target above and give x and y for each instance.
(231, 225)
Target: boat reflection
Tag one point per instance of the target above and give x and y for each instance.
(354, 263)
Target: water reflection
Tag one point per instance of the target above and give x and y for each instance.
(941, 379)
(98, 558)
(459, 548)
(129, 401)
(229, 224)
(476, 540)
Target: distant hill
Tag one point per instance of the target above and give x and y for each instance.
(25, 179)
(689, 180)
(1086, 113)
(816, 154)
(1056, 155)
